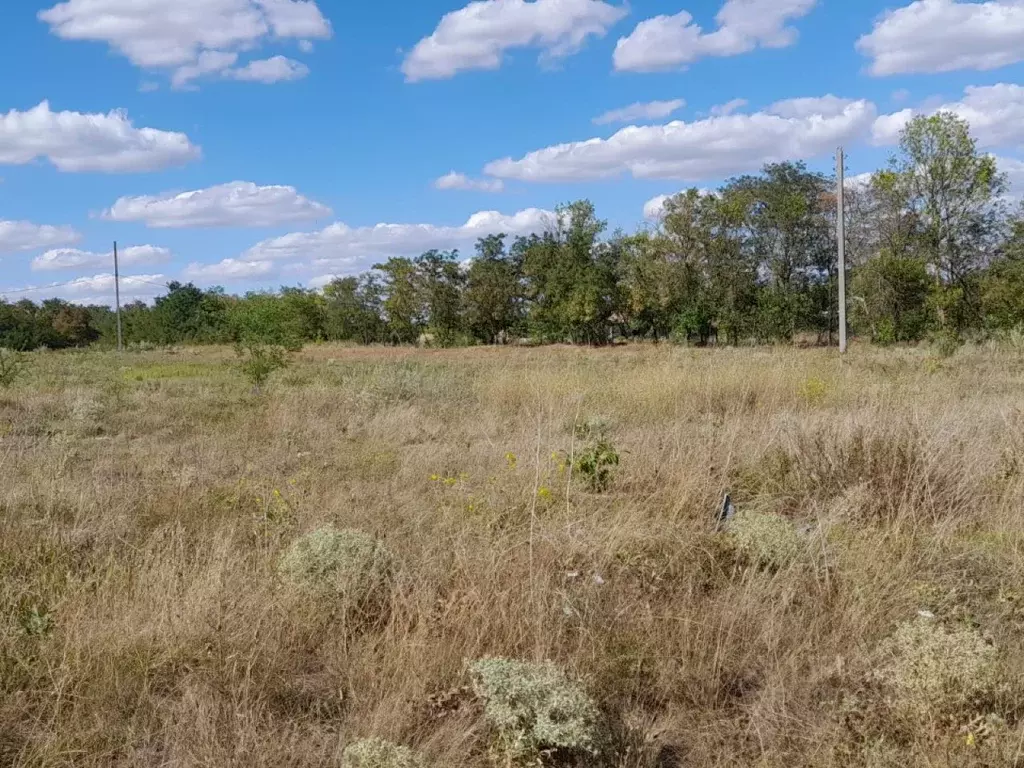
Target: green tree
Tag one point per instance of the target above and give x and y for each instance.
(494, 294)
(1002, 286)
(889, 299)
(403, 306)
(953, 194)
(440, 281)
(355, 308)
(571, 277)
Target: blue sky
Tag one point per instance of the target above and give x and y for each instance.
(254, 143)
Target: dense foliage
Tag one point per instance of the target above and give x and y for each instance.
(933, 250)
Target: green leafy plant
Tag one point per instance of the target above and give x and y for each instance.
(12, 367)
(535, 709)
(595, 464)
(259, 361)
(346, 564)
(265, 335)
(378, 753)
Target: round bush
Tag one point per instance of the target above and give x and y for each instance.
(347, 564)
(769, 540)
(377, 753)
(534, 707)
(931, 672)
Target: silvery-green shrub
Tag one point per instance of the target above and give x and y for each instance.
(378, 753)
(534, 707)
(330, 563)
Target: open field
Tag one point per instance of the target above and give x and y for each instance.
(146, 499)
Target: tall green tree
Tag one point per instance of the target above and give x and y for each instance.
(494, 294)
(954, 195)
(440, 282)
(403, 304)
(354, 310)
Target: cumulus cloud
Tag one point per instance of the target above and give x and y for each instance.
(945, 35)
(228, 269)
(236, 204)
(456, 180)
(188, 38)
(647, 110)
(721, 110)
(995, 113)
(477, 36)
(277, 69)
(98, 289)
(654, 209)
(672, 42)
(343, 249)
(709, 148)
(77, 142)
(1014, 170)
(18, 236)
(72, 258)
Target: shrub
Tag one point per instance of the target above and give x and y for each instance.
(259, 361)
(594, 464)
(768, 540)
(534, 708)
(330, 563)
(12, 366)
(931, 672)
(377, 753)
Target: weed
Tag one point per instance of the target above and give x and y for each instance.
(12, 367)
(594, 464)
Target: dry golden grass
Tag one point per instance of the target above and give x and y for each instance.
(145, 501)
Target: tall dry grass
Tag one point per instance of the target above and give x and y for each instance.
(145, 501)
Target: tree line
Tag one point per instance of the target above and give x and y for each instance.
(934, 249)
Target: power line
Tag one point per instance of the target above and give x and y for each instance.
(78, 281)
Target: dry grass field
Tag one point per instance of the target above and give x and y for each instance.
(147, 500)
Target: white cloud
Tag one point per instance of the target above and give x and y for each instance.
(25, 236)
(946, 35)
(321, 281)
(98, 289)
(654, 208)
(672, 42)
(1014, 170)
(858, 181)
(208, 62)
(274, 70)
(477, 36)
(189, 38)
(228, 269)
(343, 249)
(709, 148)
(456, 180)
(649, 110)
(78, 142)
(72, 258)
(887, 128)
(995, 114)
(236, 204)
(721, 110)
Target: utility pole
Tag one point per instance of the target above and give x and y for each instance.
(841, 238)
(117, 300)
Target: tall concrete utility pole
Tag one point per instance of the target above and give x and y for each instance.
(117, 300)
(841, 238)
